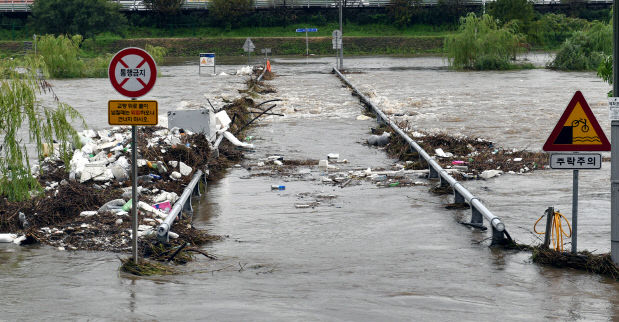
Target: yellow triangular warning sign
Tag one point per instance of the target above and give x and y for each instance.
(577, 129)
(203, 61)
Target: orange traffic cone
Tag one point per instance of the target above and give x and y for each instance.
(268, 66)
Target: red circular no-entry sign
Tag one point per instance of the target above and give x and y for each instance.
(132, 72)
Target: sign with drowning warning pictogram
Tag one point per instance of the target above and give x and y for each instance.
(132, 72)
(577, 129)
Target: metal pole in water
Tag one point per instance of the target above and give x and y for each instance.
(342, 35)
(574, 213)
(614, 154)
(134, 194)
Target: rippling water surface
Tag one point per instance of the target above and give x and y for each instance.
(364, 253)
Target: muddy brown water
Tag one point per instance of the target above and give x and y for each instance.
(365, 253)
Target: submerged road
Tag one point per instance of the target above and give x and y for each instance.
(364, 253)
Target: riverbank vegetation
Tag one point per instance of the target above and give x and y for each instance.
(481, 45)
(22, 86)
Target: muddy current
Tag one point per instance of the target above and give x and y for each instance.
(359, 252)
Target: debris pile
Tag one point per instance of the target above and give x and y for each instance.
(469, 158)
(87, 204)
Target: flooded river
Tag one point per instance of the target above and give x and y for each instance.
(364, 253)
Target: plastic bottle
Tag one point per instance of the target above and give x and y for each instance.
(128, 206)
(278, 187)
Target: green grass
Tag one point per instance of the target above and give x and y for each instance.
(354, 30)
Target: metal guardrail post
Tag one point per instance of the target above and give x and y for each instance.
(479, 211)
(183, 203)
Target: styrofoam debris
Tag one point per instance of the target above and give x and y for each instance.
(517, 159)
(91, 171)
(333, 156)
(7, 238)
(277, 162)
(118, 221)
(88, 213)
(173, 164)
(363, 118)
(184, 169)
(172, 235)
(487, 174)
(175, 175)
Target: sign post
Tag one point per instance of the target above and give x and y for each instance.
(133, 73)
(577, 130)
(248, 47)
(306, 30)
(266, 52)
(207, 60)
(341, 34)
(614, 154)
(337, 45)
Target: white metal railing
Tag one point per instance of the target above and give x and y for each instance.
(138, 5)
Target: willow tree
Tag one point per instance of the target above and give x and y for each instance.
(21, 86)
(482, 45)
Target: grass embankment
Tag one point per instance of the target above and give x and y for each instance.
(359, 40)
(403, 46)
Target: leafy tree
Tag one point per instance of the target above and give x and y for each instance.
(229, 12)
(402, 11)
(164, 7)
(507, 10)
(85, 17)
(481, 44)
(20, 106)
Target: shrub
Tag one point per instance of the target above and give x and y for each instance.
(585, 50)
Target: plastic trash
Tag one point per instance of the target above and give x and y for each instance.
(230, 137)
(323, 164)
(457, 162)
(333, 156)
(111, 205)
(155, 176)
(163, 206)
(278, 187)
(173, 164)
(394, 184)
(22, 220)
(128, 205)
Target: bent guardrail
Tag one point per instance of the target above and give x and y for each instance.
(183, 203)
(461, 194)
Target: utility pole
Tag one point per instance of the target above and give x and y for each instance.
(342, 35)
(614, 152)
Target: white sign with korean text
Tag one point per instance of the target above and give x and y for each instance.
(576, 161)
(613, 104)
